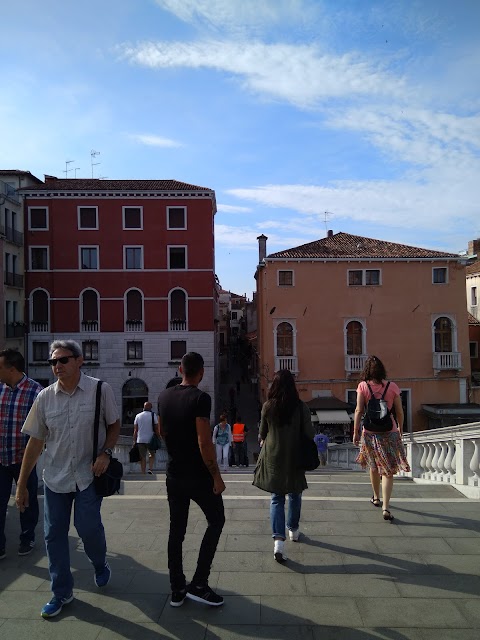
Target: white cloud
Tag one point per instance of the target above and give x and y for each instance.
(154, 141)
(231, 237)
(299, 74)
(230, 208)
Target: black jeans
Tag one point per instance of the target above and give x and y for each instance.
(179, 493)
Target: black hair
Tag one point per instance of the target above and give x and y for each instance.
(192, 364)
(373, 370)
(283, 395)
(13, 358)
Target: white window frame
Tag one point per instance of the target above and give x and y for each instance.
(33, 350)
(347, 391)
(171, 359)
(142, 342)
(140, 228)
(47, 217)
(88, 246)
(451, 317)
(287, 286)
(133, 246)
(363, 322)
(125, 304)
(473, 296)
(184, 228)
(364, 278)
(446, 276)
(292, 322)
(177, 246)
(30, 304)
(87, 206)
(39, 246)
(98, 351)
(170, 306)
(80, 302)
(476, 348)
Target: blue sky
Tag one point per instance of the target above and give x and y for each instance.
(368, 109)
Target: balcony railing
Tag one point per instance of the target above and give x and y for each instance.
(89, 326)
(13, 279)
(447, 361)
(39, 327)
(286, 362)
(12, 235)
(355, 363)
(134, 325)
(15, 330)
(9, 191)
(178, 325)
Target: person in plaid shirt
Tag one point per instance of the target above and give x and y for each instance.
(17, 393)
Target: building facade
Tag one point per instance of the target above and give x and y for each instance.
(323, 307)
(126, 267)
(12, 292)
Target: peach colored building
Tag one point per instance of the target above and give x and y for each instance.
(324, 306)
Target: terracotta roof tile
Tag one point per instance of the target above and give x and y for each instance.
(345, 245)
(472, 319)
(473, 268)
(69, 185)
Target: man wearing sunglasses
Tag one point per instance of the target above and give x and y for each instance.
(61, 419)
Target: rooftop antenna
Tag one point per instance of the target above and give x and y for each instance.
(326, 215)
(76, 169)
(93, 155)
(66, 171)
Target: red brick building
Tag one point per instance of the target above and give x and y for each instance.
(126, 268)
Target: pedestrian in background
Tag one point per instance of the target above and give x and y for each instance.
(145, 425)
(222, 439)
(284, 418)
(382, 452)
(321, 440)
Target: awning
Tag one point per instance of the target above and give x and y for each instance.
(338, 416)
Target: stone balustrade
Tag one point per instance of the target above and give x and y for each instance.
(450, 454)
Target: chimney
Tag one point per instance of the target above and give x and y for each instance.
(262, 247)
(474, 247)
(329, 233)
(49, 178)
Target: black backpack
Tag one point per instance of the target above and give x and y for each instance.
(377, 416)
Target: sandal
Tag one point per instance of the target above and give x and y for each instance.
(375, 501)
(387, 515)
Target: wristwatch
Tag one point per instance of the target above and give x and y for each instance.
(109, 452)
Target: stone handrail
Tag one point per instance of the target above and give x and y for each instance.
(449, 455)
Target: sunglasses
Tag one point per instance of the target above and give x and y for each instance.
(63, 360)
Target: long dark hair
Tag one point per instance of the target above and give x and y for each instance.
(283, 395)
(373, 370)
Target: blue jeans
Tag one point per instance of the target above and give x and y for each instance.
(29, 518)
(88, 523)
(277, 513)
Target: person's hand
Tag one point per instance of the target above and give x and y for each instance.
(101, 464)
(21, 498)
(218, 486)
(356, 439)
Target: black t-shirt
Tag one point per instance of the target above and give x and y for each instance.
(178, 408)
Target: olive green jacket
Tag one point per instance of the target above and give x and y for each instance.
(276, 469)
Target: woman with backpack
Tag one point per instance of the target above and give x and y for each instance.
(284, 417)
(381, 448)
(222, 439)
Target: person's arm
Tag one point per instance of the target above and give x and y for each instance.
(103, 459)
(207, 451)
(358, 416)
(135, 431)
(214, 437)
(399, 415)
(32, 452)
(157, 427)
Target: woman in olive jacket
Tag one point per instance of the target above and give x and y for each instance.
(283, 417)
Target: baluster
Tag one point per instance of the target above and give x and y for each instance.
(474, 464)
(428, 462)
(449, 461)
(442, 472)
(435, 468)
(423, 461)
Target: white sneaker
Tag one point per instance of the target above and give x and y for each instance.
(279, 551)
(294, 535)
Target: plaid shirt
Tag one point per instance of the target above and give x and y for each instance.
(15, 403)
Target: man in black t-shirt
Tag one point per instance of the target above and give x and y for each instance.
(192, 474)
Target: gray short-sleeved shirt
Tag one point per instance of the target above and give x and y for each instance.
(65, 422)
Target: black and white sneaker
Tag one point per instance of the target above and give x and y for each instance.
(25, 548)
(204, 594)
(178, 598)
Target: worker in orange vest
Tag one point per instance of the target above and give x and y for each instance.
(239, 431)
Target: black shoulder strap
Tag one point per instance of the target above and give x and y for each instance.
(370, 389)
(96, 419)
(153, 420)
(385, 391)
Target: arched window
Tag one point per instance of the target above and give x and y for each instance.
(134, 310)
(284, 339)
(178, 310)
(89, 310)
(443, 330)
(40, 310)
(354, 338)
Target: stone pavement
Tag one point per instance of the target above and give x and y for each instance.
(352, 575)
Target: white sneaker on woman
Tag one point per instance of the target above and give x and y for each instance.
(279, 551)
(294, 535)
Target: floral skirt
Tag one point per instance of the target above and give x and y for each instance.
(382, 452)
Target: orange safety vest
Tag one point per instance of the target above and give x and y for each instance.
(238, 432)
